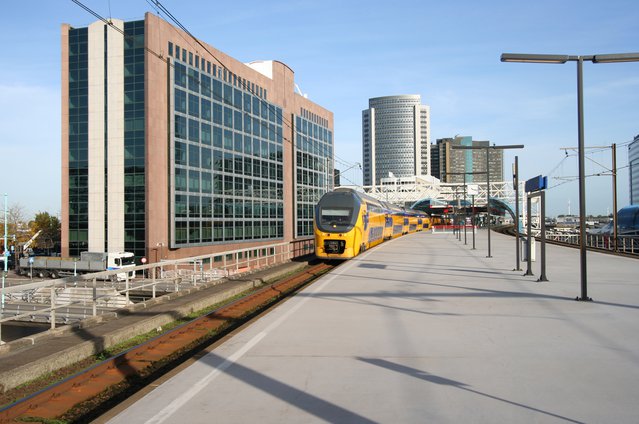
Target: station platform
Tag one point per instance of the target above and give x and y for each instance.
(424, 329)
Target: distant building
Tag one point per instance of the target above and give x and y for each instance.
(633, 163)
(395, 138)
(434, 162)
(451, 164)
(173, 149)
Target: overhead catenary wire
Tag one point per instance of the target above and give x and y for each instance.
(286, 122)
(243, 83)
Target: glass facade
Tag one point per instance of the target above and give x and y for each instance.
(227, 157)
(313, 171)
(134, 140)
(78, 142)
(134, 154)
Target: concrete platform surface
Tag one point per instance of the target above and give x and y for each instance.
(423, 329)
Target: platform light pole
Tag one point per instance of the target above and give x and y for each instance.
(516, 184)
(5, 253)
(561, 59)
(488, 149)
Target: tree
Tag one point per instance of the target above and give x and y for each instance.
(17, 230)
(50, 226)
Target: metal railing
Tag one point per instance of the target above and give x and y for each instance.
(625, 244)
(170, 273)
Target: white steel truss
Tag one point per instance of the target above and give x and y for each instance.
(407, 191)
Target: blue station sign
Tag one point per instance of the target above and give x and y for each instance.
(537, 183)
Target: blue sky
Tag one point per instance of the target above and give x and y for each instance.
(345, 52)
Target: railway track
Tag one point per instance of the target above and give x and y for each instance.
(134, 365)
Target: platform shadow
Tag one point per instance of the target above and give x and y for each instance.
(435, 379)
(313, 405)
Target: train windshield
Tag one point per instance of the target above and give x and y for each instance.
(333, 217)
(337, 211)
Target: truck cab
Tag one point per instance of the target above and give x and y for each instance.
(120, 260)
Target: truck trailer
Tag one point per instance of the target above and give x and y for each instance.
(88, 262)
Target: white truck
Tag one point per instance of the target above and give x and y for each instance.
(55, 267)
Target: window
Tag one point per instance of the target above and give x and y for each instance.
(217, 90)
(207, 186)
(194, 105)
(180, 206)
(194, 156)
(228, 117)
(205, 85)
(228, 139)
(194, 206)
(206, 109)
(217, 113)
(180, 101)
(180, 73)
(194, 130)
(180, 153)
(228, 94)
(207, 207)
(194, 232)
(206, 134)
(180, 179)
(237, 101)
(217, 137)
(180, 127)
(194, 181)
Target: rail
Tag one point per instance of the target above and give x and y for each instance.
(140, 362)
(174, 273)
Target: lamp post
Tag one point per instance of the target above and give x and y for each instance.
(561, 59)
(488, 149)
(614, 196)
(6, 254)
(516, 184)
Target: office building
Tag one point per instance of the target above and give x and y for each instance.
(172, 149)
(395, 138)
(451, 164)
(633, 165)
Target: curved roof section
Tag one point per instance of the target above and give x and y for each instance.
(398, 97)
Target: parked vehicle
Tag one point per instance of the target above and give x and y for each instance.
(55, 267)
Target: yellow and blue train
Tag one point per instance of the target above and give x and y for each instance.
(348, 222)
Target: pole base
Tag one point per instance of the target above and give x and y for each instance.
(528, 273)
(517, 269)
(541, 279)
(583, 299)
(488, 256)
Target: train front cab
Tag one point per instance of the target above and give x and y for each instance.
(338, 225)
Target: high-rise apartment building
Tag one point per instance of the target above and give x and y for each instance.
(633, 164)
(395, 138)
(171, 148)
(451, 164)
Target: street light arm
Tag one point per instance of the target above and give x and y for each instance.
(534, 58)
